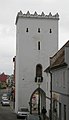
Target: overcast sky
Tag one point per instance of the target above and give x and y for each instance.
(8, 12)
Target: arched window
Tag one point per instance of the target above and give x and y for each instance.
(38, 77)
(38, 70)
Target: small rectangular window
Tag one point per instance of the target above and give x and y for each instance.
(63, 79)
(50, 30)
(38, 45)
(27, 30)
(38, 30)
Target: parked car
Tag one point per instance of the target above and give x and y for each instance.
(23, 112)
(5, 102)
(4, 96)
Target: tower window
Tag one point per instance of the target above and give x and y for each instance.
(27, 30)
(38, 30)
(39, 70)
(50, 31)
(38, 45)
(39, 77)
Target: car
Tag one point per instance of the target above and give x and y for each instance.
(4, 96)
(5, 102)
(23, 112)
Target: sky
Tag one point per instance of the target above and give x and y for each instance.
(8, 12)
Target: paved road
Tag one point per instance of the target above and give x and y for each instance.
(6, 113)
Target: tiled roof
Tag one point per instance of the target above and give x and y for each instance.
(3, 77)
(58, 58)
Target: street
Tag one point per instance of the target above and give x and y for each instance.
(6, 113)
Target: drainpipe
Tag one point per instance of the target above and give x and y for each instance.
(50, 95)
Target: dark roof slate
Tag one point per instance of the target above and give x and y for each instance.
(58, 60)
(59, 57)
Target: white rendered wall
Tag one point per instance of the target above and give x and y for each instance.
(67, 55)
(61, 88)
(28, 55)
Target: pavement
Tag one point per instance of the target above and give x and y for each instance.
(36, 117)
(11, 105)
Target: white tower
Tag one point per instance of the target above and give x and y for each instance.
(36, 41)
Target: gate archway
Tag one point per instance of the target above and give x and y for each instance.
(34, 101)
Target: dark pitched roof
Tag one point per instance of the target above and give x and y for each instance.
(58, 59)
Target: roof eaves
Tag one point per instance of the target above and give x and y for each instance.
(59, 66)
(48, 69)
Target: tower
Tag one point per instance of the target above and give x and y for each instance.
(36, 41)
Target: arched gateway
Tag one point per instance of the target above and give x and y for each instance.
(38, 98)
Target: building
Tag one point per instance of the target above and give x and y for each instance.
(10, 80)
(59, 68)
(36, 40)
(3, 80)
